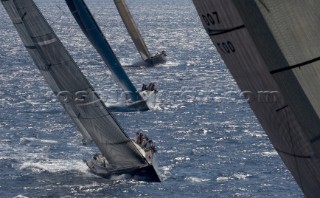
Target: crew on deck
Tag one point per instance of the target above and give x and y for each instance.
(150, 87)
(101, 160)
(164, 53)
(144, 142)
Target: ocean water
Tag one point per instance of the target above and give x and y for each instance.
(209, 142)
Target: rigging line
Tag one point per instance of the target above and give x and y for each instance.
(212, 32)
(295, 66)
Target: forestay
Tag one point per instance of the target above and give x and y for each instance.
(63, 76)
(132, 29)
(92, 31)
(272, 50)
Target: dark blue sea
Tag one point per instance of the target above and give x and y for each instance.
(209, 142)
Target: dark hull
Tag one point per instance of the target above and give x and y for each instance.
(157, 59)
(153, 61)
(135, 106)
(146, 173)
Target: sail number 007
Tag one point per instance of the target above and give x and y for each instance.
(226, 47)
(211, 18)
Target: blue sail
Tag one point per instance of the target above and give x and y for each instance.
(92, 31)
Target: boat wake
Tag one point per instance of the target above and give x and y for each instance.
(54, 166)
(150, 101)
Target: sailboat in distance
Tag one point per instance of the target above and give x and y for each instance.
(94, 34)
(272, 49)
(122, 155)
(136, 37)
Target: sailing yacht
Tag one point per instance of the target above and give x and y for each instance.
(137, 101)
(149, 60)
(272, 49)
(85, 107)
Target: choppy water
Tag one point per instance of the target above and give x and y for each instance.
(209, 142)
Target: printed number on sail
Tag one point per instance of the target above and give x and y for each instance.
(226, 47)
(211, 18)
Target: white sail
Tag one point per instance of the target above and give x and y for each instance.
(136, 35)
(271, 48)
(132, 29)
(65, 79)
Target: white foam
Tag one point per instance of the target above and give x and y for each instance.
(170, 64)
(241, 176)
(182, 158)
(254, 133)
(20, 196)
(237, 176)
(54, 166)
(269, 153)
(31, 139)
(197, 180)
(222, 179)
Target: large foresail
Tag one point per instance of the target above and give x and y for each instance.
(132, 29)
(70, 85)
(271, 48)
(42, 62)
(91, 29)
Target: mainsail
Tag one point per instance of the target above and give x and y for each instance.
(65, 79)
(92, 31)
(271, 48)
(134, 32)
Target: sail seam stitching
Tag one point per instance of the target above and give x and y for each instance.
(212, 32)
(295, 66)
(277, 110)
(264, 5)
(18, 23)
(90, 118)
(123, 142)
(30, 47)
(293, 155)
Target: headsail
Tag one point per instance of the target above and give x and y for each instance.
(92, 31)
(132, 29)
(136, 35)
(65, 78)
(272, 50)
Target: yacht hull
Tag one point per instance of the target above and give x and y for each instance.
(145, 173)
